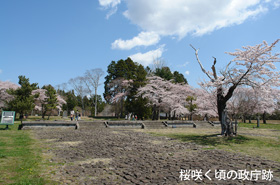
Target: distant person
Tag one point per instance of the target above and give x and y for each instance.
(72, 114)
(77, 116)
(136, 117)
(71, 117)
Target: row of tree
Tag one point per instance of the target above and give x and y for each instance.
(131, 88)
(246, 86)
(29, 97)
(85, 89)
(125, 79)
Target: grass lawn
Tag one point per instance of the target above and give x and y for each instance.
(21, 159)
(268, 125)
(263, 142)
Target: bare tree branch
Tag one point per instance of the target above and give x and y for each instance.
(202, 68)
(214, 69)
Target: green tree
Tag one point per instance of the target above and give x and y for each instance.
(100, 104)
(118, 72)
(138, 105)
(164, 73)
(23, 101)
(50, 101)
(71, 101)
(179, 78)
(191, 106)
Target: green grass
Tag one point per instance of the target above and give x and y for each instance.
(210, 140)
(20, 157)
(265, 146)
(262, 126)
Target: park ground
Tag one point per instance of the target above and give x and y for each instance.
(97, 155)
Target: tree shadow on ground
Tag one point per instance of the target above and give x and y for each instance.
(211, 140)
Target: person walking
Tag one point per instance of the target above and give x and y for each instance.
(77, 116)
(72, 113)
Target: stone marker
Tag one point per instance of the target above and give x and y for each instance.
(64, 114)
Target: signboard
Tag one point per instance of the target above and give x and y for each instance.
(8, 118)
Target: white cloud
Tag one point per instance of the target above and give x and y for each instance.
(187, 72)
(110, 4)
(147, 58)
(142, 39)
(183, 65)
(182, 17)
(276, 4)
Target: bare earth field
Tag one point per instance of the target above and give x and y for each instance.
(97, 155)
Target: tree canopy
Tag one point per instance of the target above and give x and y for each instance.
(165, 73)
(129, 72)
(253, 66)
(23, 101)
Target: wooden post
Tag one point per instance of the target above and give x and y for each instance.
(236, 124)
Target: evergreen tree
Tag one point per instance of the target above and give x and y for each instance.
(71, 101)
(50, 102)
(23, 101)
(165, 73)
(191, 106)
(100, 104)
(179, 78)
(135, 104)
(119, 72)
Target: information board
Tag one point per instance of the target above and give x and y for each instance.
(8, 117)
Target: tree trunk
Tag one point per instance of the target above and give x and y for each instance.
(21, 117)
(258, 122)
(154, 112)
(169, 116)
(122, 108)
(158, 113)
(221, 105)
(264, 117)
(226, 125)
(244, 119)
(174, 115)
(95, 105)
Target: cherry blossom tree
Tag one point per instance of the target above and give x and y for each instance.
(166, 96)
(253, 66)
(242, 103)
(206, 104)
(4, 96)
(120, 89)
(266, 101)
(45, 103)
(22, 101)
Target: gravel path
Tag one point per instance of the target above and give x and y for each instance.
(96, 155)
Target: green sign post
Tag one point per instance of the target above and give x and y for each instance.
(8, 118)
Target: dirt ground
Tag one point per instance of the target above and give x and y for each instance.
(97, 155)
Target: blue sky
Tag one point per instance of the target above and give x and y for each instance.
(52, 41)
